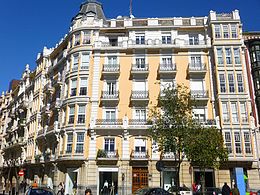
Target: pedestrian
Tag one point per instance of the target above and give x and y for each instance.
(235, 190)
(61, 188)
(88, 191)
(4, 189)
(75, 188)
(35, 185)
(226, 189)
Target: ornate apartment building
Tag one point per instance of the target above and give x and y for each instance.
(81, 115)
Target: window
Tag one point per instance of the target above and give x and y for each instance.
(166, 39)
(247, 142)
(140, 114)
(112, 60)
(81, 114)
(73, 88)
(222, 83)
(240, 85)
(84, 61)
(110, 115)
(86, 38)
(234, 113)
(80, 143)
(225, 112)
(196, 61)
(140, 39)
(238, 143)
(69, 143)
(140, 63)
(83, 86)
(167, 60)
(228, 56)
(243, 112)
(237, 56)
(199, 115)
(220, 55)
(217, 31)
(234, 30)
(193, 39)
(225, 31)
(71, 115)
(228, 142)
(140, 145)
(231, 83)
(113, 41)
(77, 39)
(75, 62)
(109, 144)
(111, 87)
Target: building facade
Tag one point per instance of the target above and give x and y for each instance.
(81, 115)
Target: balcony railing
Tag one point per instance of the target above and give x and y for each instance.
(168, 156)
(206, 121)
(111, 68)
(140, 67)
(199, 94)
(244, 119)
(109, 122)
(108, 95)
(138, 122)
(139, 95)
(194, 42)
(107, 154)
(139, 155)
(114, 44)
(167, 67)
(197, 67)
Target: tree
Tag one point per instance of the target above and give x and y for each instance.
(174, 130)
(205, 149)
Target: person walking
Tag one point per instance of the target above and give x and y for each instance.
(226, 189)
(75, 186)
(61, 188)
(88, 191)
(235, 190)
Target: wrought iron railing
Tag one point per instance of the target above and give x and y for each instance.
(110, 94)
(139, 94)
(110, 67)
(109, 122)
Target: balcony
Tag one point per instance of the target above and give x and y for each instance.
(139, 155)
(111, 69)
(140, 69)
(207, 122)
(41, 133)
(137, 122)
(167, 69)
(194, 43)
(110, 96)
(168, 156)
(48, 88)
(140, 96)
(116, 122)
(22, 122)
(198, 69)
(52, 130)
(200, 95)
(107, 155)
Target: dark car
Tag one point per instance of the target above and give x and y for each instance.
(151, 191)
(213, 191)
(39, 191)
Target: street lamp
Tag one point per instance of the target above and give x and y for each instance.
(255, 131)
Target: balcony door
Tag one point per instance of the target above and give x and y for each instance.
(110, 115)
(195, 61)
(140, 146)
(111, 87)
(109, 145)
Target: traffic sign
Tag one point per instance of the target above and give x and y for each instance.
(21, 173)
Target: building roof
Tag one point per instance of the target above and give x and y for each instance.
(91, 6)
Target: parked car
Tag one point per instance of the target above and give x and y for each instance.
(39, 191)
(182, 190)
(151, 191)
(213, 191)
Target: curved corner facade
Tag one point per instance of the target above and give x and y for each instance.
(81, 115)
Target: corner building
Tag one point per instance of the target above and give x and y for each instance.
(89, 100)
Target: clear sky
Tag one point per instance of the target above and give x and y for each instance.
(29, 25)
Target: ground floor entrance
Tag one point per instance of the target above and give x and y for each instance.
(209, 177)
(168, 178)
(71, 181)
(108, 181)
(139, 178)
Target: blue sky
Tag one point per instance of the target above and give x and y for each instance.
(29, 25)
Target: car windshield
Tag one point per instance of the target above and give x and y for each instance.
(174, 189)
(40, 192)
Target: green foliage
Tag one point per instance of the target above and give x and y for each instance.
(206, 147)
(101, 154)
(174, 130)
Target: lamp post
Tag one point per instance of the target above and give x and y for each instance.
(255, 131)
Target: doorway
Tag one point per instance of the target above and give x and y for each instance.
(139, 178)
(209, 177)
(71, 177)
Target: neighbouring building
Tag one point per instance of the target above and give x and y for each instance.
(81, 115)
